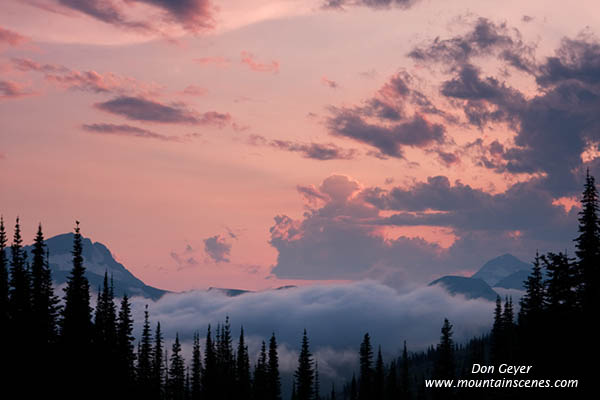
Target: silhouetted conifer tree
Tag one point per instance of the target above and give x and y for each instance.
(144, 365)
(176, 386)
(365, 382)
(125, 347)
(497, 335)
(243, 380)
(19, 288)
(260, 384)
(317, 394)
(445, 365)
(588, 247)
(76, 326)
(560, 294)
(391, 382)
(304, 374)
(274, 380)
(196, 376)
(209, 388)
(157, 364)
(404, 375)
(353, 389)
(378, 377)
(532, 302)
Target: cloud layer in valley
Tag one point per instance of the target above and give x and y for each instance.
(390, 317)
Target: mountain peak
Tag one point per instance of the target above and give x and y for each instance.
(499, 268)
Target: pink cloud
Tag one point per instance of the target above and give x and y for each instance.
(193, 90)
(90, 81)
(217, 61)
(10, 89)
(329, 83)
(250, 61)
(11, 38)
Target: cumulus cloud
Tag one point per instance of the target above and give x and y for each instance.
(259, 66)
(142, 109)
(217, 248)
(128, 130)
(343, 232)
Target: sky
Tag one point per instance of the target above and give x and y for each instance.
(258, 144)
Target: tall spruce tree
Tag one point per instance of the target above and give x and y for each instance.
(317, 394)
(260, 383)
(243, 379)
(391, 382)
(20, 287)
(532, 302)
(274, 380)
(509, 333)
(76, 326)
(404, 375)
(365, 380)
(445, 363)
(196, 376)
(379, 377)
(560, 294)
(157, 365)
(353, 389)
(144, 365)
(304, 374)
(588, 247)
(176, 387)
(209, 388)
(125, 346)
(497, 335)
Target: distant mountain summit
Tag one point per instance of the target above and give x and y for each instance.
(505, 271)
(471, 288)
(97, 260)
(499, 268)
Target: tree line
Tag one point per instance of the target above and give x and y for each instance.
(65, 347)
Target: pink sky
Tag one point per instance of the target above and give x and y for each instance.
(166, 128)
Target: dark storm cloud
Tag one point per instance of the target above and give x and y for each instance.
(487, 99)
(553, 128)
(484, 39)
(315, 151)
(524, 207)
(389, 140)
(217, 248)
(105, 11)
(340, 234)
(127, 130)
(141, 109)
(193, 15)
